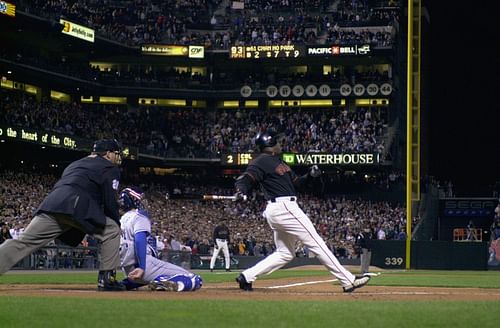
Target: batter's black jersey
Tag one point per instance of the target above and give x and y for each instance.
(274, 175)
(221, 232)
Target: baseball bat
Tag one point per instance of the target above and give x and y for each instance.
(219, 197)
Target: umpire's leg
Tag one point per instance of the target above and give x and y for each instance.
(109, 242)
(41, 230)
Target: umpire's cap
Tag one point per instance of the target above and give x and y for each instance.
(265, 139)
(104, 145)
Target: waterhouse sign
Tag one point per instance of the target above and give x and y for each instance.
(331, 159)
(309, 159)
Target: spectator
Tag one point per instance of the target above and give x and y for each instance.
(338, 217)
(4, 233)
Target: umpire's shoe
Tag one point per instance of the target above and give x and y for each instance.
(359, 282)
(106, 282)
(244, 284)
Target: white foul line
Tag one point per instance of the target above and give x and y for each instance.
(302, 284)
(315, 282)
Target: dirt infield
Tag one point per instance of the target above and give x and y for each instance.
(319, 288)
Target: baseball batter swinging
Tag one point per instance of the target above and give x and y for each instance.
(139, 258)
(287, 220)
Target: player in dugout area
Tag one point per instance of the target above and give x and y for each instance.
(139, 257)
(221, 239)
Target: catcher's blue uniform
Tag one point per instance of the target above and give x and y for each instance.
(137, 250)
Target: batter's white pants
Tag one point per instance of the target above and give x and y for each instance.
(289, 224)
(221, 245)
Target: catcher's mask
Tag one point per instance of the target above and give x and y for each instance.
(131, 198)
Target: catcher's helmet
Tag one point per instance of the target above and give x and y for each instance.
(265, 139)
(131, 198)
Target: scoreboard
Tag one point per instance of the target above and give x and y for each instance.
(267, 51)
(300, 50)
(236, 159)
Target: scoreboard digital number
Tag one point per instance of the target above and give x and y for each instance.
(267, 51)
(237, 159)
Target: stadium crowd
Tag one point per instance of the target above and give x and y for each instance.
(207, 133)
(201, 133)
(179, 223)
(217, 25)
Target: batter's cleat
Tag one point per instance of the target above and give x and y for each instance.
(244, 284)
(359, 282)
(163, 286)
(228, 270)
(211, 270)
(106, 282)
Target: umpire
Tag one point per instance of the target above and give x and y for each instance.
(363, 244)
(83, 201)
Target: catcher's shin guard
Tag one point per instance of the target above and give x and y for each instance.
(163, 286)
(184, 282)
(107, 282)
(131, 285)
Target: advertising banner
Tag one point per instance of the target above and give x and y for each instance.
(55, 139)
(173, 50)
(77, 31)
(7, 8)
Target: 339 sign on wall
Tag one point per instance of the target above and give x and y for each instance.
(388, 254)
(393, 261)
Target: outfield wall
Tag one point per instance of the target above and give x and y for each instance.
(442, 255)
(390, 254)
(386, 254)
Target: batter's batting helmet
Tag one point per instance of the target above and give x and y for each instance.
(265, 139)
(131, 198)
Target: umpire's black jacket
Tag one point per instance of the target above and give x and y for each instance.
(87, 193)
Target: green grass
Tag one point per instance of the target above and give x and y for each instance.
(73, 312)
(41, 311)
(423, 278)
(420, 278)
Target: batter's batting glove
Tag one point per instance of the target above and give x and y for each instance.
(239, 196)
(314, 171)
